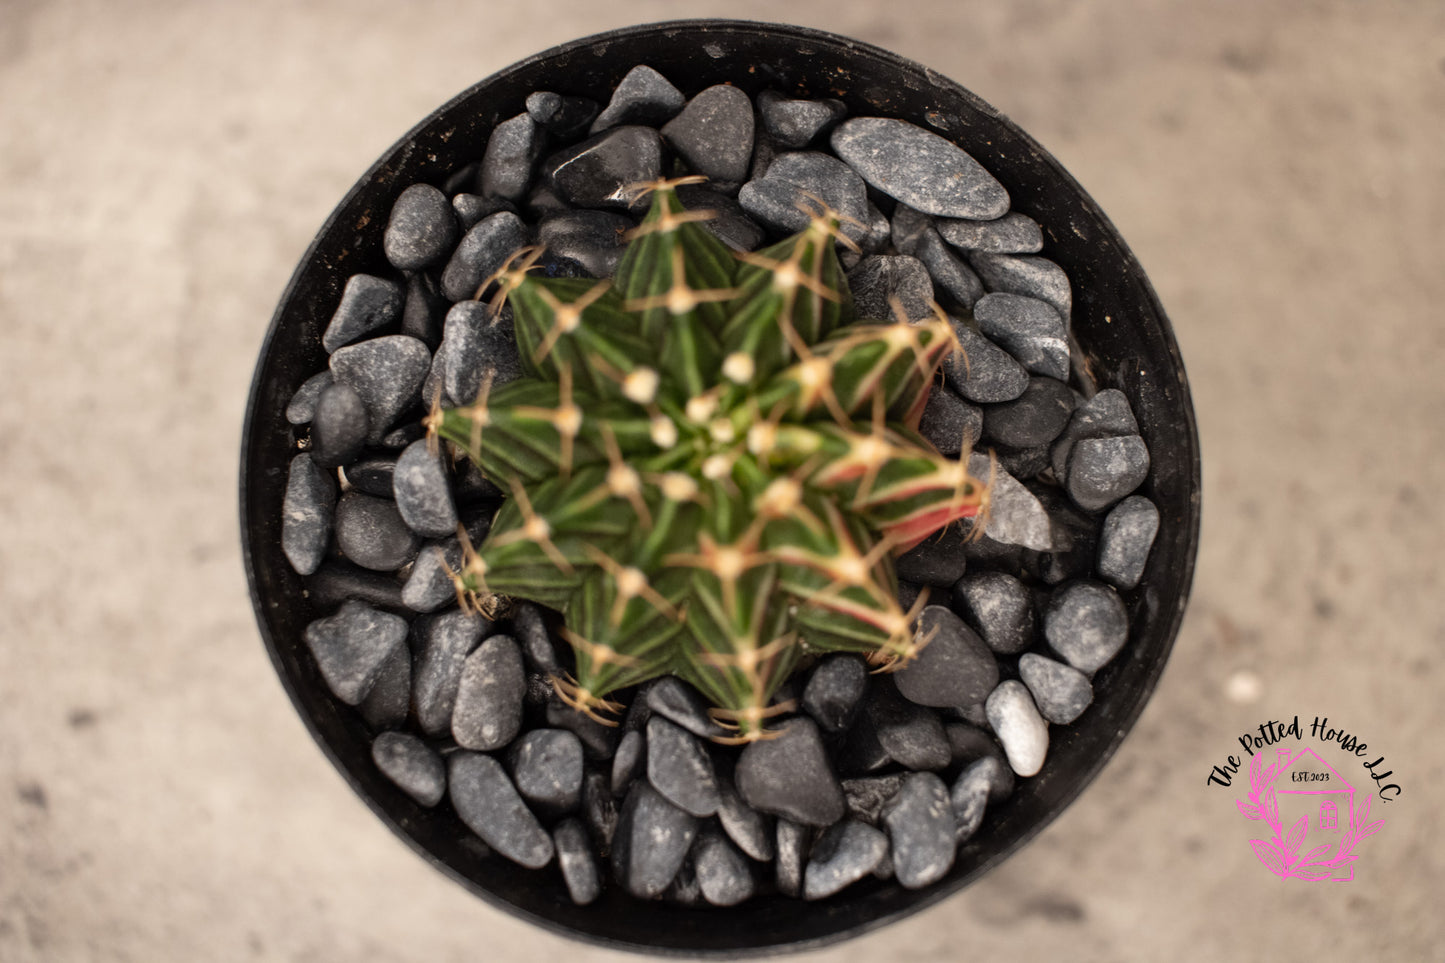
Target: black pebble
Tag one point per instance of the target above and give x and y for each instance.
(370, 532)
(339, 426)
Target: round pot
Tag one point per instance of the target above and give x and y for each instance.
(1119, 326)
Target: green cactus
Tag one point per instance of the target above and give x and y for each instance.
(711, 464)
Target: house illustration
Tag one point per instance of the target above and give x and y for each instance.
(1310, 788)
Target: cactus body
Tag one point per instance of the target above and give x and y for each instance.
(711, 463)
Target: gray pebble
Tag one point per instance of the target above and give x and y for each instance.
(598, 171)
(488, 711)
(387, 704)
(337, 581)
(484, 249)
(1034, 418)
(1061, 692)
(1014, 233)
(1106, 415)
(911, 734)
(678, 767)
(981, 371)
(651, 841)
(969, 799)
(714, 134)
(471, 209)
(954, 668)
(424, 310)
(577, 861)
(790, 776)
(442, 646)
(488, 803)
(530, 631)
(1000, 778)
(1103, 470)
(477, 343)
(566, 118)
(412, 765)
(306, 513)
(351, 648)
(679, 702)
(387, 373)
(429, 586)
(750, 829)
(371, 533)
(921, 831)
(1127, 537)
(880, 280)
(867, 795)
(844, 854)
(302, 406)
(594, 239)
(372, 475)
(950, 424)
(1027, 328)
(1015, 515)
(547, 768)
(1026, 274)
(835, 690)
(367, 303)
(628, 761)
(422, 228)
(792, 846)
(999, 607)
(339, 426)
(794, 123)
(512, 151)
(919, 168)
(954, 282)
(1016, 721)
(723, 873)
(821, 175)
(423, 492)
(1086, 623)
(644, 96)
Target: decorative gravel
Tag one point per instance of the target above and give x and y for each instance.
(874, 776)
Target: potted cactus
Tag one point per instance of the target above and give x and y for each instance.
(701, 468)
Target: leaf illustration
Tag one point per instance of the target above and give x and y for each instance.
(1314, 873)
(1267, 854)
(1359, 816)
(1316, 853)
(1256, 771)
(1250, 812)
(1344, 863)
(1297, 835)
(1271, 807)
(1371, 829)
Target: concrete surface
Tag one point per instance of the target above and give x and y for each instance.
(1278, 168)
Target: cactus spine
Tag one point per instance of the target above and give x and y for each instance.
(712, 463)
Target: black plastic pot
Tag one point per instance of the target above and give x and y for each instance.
(1117, 321)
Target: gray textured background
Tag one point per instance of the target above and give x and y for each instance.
(1278, 169)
